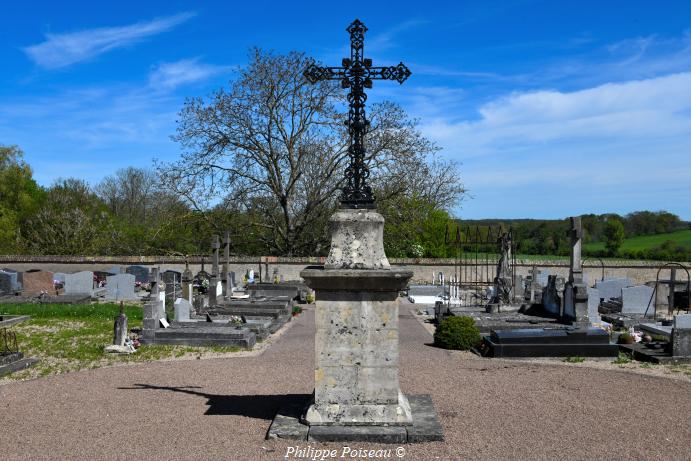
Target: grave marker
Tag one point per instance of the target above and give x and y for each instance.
(635, 300)
(37, 282)
(79, 283)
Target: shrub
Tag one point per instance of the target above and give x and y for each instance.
(457, 333)
(297, 310)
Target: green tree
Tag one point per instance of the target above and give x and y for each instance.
(275, 146)
(71, 221)
(613, 235)
(20, 197)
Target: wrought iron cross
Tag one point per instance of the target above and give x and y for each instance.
(357, 74)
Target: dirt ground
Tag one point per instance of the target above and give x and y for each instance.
(221, 408)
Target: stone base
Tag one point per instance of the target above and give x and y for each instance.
(11, 363)
(362, 414)
(425, 426)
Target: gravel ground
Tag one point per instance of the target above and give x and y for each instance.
(221, 408)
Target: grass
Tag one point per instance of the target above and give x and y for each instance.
(645, 242)
(623, 359)
(71, 337)
(575, 359)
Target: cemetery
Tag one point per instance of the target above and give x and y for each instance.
(347, 352)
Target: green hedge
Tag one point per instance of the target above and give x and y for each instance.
(459, 333)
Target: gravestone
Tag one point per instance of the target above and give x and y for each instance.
(575, 290)
(215, 280)
(681, 336)
(79, 283)
(59, 277)
(141, 273)
(551, 302)
(120, 287)
(115, 270)
(519, 288)
(120, 331)
(173, 280)
(611, 288)
(186, 286)
(183, 310)
(37, 282)
(635, 300)
(8, 282)
(543, 277)
(593, 305)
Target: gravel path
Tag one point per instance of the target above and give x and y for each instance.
(221, 408)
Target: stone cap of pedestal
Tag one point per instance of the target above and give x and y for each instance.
(319, 278)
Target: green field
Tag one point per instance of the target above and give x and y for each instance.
(645, 242)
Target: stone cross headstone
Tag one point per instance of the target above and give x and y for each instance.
(214, 280)
(172, 279)
(79, 283)
(576, 291)
(186, 284)
(225, 275)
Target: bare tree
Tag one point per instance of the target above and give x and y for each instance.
(276, 145)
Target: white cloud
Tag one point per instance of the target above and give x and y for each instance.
(169, 75)
(642, 109)
(62, 50)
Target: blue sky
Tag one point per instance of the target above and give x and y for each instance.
(553, 108)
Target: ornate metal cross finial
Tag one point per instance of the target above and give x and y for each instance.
(357, 74)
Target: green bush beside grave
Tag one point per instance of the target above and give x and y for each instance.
(459, 333)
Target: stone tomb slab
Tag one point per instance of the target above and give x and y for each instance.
(562, 342)
(425, 428)
(258, 290)
(37, 282)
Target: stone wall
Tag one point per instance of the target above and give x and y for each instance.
(423, 269)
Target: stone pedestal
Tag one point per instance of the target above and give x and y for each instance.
(356, 346)
(356, 343)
